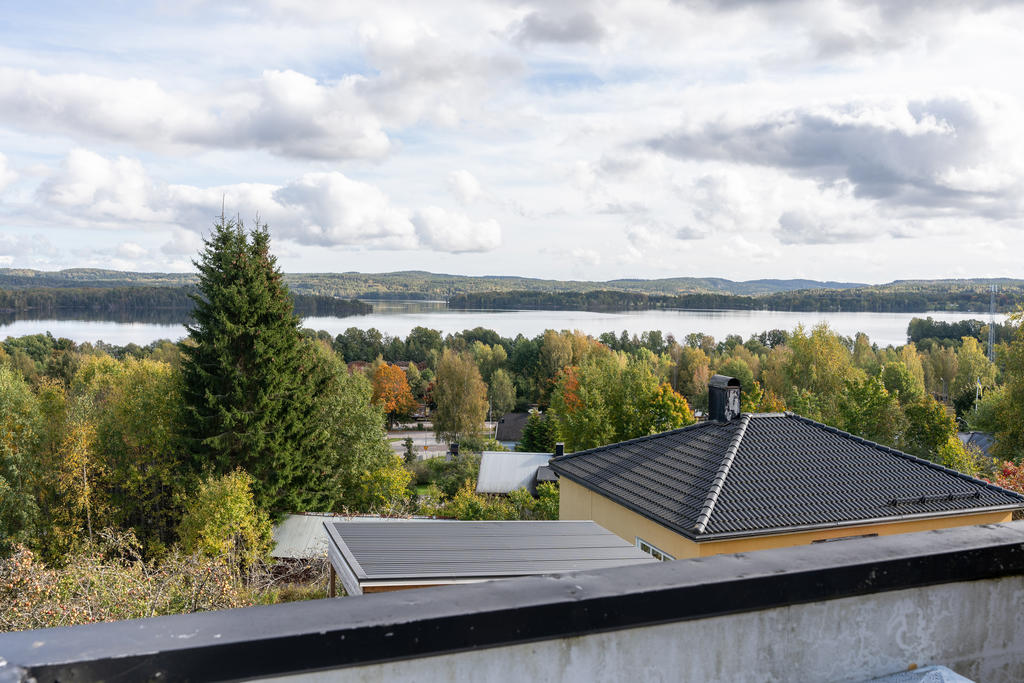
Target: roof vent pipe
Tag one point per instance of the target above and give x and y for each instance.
(559, 449)
(723, 398)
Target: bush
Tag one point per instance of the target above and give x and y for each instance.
(382, 489)
(223, 523)
(448, 476)
(479, 444)
(109, 581)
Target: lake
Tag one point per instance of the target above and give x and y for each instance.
(397, 318)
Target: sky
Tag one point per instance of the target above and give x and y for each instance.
(853, 140)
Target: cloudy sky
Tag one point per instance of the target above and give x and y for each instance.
(853, 140)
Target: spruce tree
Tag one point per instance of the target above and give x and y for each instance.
(249, 397)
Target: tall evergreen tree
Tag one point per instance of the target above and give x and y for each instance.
(248, 389)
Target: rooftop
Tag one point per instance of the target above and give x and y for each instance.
(510, 426)
(773, 473)
(438, 552)
(504, 472)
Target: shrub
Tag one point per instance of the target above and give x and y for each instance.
(223, 522)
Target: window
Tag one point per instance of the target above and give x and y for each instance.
(654, 551)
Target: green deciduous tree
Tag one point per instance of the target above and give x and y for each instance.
(974, 374)
(138, 422)
(900, 382)
(1009, 408)
(19, 429)
(612, 398)
(461, 397)
(928, 429)
(501, 393)
(866, 409)
(355, 442)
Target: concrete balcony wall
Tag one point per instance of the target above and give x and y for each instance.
(975, 628)
(841, 611)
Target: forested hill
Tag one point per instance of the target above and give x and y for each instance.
(413, 284)
(882, 299)
(625, 294)
(160, 304)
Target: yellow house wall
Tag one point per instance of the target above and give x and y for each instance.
(577, 502)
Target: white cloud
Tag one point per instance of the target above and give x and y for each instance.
(7, 174)
(89, 186)
(557, 27)
(23, 250)
(585, 257)
(334, 210)
(942, 154)
(325, 209)
(444, 230)
(131, 250)
(284, 112)
(464, 186)
(182, 243)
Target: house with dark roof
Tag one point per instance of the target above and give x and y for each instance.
(742, 481)
(509, 430)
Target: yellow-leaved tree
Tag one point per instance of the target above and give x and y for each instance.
(223, 522)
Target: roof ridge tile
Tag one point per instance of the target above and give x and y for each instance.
(719, 480)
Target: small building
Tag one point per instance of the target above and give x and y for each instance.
(504, 472)
(509, 430)
(980, 440)
(371, 558)
(741, 482)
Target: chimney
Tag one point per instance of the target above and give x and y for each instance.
(559, 449)
(723, 398)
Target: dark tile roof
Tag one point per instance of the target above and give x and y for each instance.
(510, 427)
(770, 473)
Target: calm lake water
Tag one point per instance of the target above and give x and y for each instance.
(398, 318)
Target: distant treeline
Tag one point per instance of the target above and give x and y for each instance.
(868, 299)
(115, 301)
(921, 329)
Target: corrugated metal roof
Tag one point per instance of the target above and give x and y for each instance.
(461, 550)
(767, 473)
(502, 472)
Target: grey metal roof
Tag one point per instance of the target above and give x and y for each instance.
(503, 471)
(771, 473)
(463, 550)
(303, 536)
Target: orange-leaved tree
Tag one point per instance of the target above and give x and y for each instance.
(391, 392)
